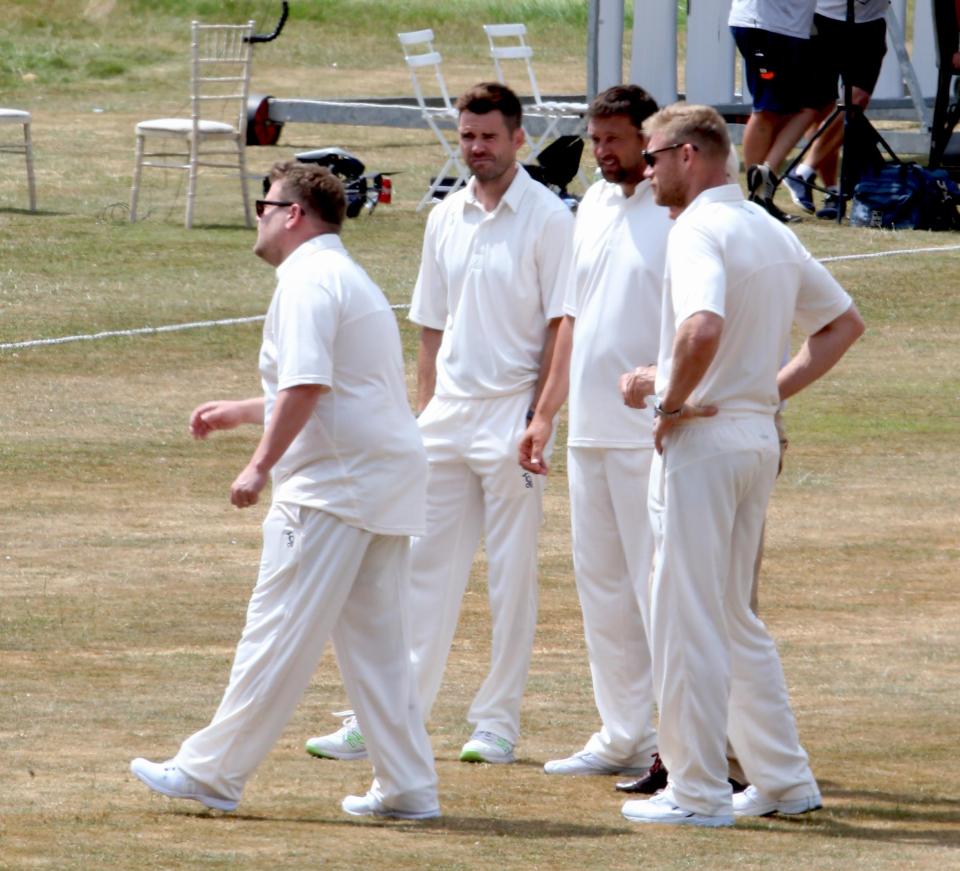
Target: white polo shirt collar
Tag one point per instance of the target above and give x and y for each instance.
(512, 196)
(322, 242)
(726, 193)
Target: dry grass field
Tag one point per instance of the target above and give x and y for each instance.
(124, 572)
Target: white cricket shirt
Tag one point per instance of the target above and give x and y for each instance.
(619, 247)
(359, 456)
(728, 256)
(491, 281)
(789, 17)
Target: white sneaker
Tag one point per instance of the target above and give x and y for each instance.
(487, 747)
(167, 779)
(585, 762)
(663, 809)
(346, 743)
(753, 803)
(369, 805)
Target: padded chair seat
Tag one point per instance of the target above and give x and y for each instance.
(183, 126)
(13, 116)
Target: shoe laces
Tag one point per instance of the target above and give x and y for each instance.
(493, 739)
(656, 766)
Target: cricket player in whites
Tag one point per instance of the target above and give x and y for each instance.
(611, 325)
(488, 300)
(736, 280)
(348, 471)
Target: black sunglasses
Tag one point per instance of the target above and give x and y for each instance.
(650, 156)
(260, 205)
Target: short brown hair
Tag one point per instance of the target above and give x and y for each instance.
(701, 125)
(630, 100)
(314, 187)
(493, 97)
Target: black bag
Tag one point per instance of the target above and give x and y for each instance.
(905, 196)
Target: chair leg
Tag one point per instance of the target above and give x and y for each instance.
(31, 181)
(453, 160)
(137, 170)
(192, 183)
(242, 160)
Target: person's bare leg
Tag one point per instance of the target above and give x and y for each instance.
(759, 135)
(788, 136)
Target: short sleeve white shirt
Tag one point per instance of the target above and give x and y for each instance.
(863, 10)
(729, 257)
(359, 456)
(492, 281)
(619, 247)
(789, 17)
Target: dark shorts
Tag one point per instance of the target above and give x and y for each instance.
(835, 55)
(777, 69)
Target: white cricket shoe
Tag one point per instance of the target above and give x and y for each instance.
(753, 803)
(585, 762)
(487, 747)
(370, 806)
(167, 779)
(346, 743)
(663, 809)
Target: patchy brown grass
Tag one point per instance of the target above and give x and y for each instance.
(124, 572)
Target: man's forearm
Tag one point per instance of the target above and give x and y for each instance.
(694, 348)
(820, 353)
(290, 413)
(250, 410)
(430, 340)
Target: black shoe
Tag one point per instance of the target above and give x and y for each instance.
(653, 781)
(775, 211)
(761, 182)
(831, 207)
(761, 186)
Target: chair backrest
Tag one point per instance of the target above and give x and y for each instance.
(508, 42)
(221, 56)
(419, 53)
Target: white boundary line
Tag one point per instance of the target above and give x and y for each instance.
(171, 328)
(839, 257)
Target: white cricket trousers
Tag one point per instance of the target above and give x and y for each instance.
(716, 669)
(612, 559)
(476, 487)
(319, 579)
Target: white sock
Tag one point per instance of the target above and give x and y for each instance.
(805, 172)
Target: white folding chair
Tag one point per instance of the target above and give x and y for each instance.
(219, 84)
(419, 54)
(508, 43)
(18, 116)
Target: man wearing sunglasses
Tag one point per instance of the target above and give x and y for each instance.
(348, 471)
(611, 323)
(735, 281)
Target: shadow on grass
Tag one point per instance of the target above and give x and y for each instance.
(39, 213)
(867, 815)
(532, 829)
(831, 791)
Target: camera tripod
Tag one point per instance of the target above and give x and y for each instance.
(861, 140)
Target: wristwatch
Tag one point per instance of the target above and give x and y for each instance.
(659, 411)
